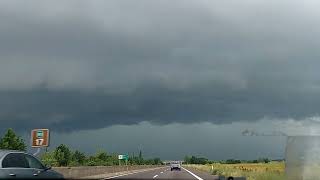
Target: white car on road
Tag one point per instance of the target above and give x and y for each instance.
(175, 166)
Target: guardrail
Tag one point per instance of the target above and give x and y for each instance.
(85, 171)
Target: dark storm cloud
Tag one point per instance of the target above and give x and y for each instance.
(88, 65)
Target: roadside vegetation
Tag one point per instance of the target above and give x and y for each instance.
(260, 169)
(64, 156)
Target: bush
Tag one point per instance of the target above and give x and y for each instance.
(48, 159)
(63, 155)
(233, 161)
(195, 160)
(78, 158)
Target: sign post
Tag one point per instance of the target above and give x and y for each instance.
(123, 157)
(39, 138)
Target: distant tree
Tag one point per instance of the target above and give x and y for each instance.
(193, 160)
(48, 159)
(131, 159)
(134, 160)
(103, 156)
(63, 155)
(102, 159)
(113, 159)
(263, 160)
(233, 161)
(11, 141)
(187, 160)
(196, 160)
(78, 157)
(157, 161)
(201, 160)
(149, 161)
(91, 161)
(140, 158)
(255, 161)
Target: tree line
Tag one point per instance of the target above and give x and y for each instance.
(202, 160)
(64, 156)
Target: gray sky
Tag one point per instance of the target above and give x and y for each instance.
(91, 67)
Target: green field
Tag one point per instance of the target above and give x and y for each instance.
(252, 171)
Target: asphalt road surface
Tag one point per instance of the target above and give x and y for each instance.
(166, 173)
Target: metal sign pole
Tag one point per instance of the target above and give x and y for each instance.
(37, 152)
(127, 157)
(127, 164)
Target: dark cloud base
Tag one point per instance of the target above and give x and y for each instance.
(71, 110)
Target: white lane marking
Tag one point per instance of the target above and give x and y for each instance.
(155, 176)
(130, 173)
(199, 178)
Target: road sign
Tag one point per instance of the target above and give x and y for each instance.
(40, 138)
(123, 157)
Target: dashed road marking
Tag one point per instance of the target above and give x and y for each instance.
(155, 176)
(161, 172)
(126, 174)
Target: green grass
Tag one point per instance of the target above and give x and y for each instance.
(252, 171)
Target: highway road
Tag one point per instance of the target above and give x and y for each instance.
(165, 173)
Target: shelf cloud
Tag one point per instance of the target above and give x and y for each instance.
(86, 65)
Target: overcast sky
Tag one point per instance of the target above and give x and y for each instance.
(88, 68)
